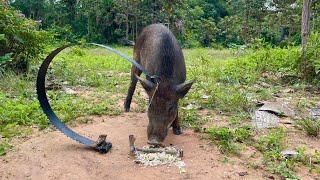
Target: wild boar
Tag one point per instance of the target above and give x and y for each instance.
(158, 51)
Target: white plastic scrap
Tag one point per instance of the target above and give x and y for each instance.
(161, 158)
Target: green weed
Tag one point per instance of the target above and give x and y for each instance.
(272, 144)
(228, 140)
(311, 127)
(282, 169)
(190, 118)
(13, 129)
(243, 134)
(4, 146)
(237, 120)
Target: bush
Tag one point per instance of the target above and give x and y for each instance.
(62, 33)
(311, 127)
(229, 139)
(20, 39)
(313, 51)
(248, 69)
(272, 142)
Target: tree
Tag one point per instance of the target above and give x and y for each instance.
(306, 65)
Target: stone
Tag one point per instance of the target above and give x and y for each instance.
(264, 119)
(244, 173)
(69, 91)
(278, 108)
(205, 97)
(315, 113)
(289, 153)
(288, 90)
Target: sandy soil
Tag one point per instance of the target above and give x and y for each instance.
(51, 155)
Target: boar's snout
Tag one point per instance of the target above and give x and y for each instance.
(156, 133)
(154, 142)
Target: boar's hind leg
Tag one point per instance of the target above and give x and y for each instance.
(176, 126)
(132, 87)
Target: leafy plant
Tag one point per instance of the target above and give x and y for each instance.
(243, 134)
(227, 138)
(190, 118)
(272, 144)
(311, 127)
(313, 51)
(224, 137)
(20, 39)
(4, 146)
(282, 169)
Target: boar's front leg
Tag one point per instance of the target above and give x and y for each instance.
(176, 126)
(132, 87)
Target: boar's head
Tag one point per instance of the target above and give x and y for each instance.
(163, 106)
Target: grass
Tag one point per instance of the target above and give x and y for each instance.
(228, 139)
(90, 71)
(311, 127)
(232, 140)
(271, 146)
(4, 146)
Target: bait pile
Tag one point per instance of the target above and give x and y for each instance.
(160, 158)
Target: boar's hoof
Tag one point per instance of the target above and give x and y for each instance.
(126, 107)
(177, 130)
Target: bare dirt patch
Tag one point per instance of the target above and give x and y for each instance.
(51, 155)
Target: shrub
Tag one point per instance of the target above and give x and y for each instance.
(273, 142)
(62, 33)
(313, 52)
(20, 39)
(311, 127)
(228, 139)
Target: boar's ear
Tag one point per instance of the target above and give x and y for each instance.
(182, 89)
(146, 84)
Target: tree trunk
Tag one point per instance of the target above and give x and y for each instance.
(246, 25)
(88, 26)
(154, 11)
(306, 67)
(127, 20)
(305, 24)
(137, 33)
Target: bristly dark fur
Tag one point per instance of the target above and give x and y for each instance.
(167, 56)
(159, 52)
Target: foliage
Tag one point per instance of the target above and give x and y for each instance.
(283, 170)
(62, 33)
(227, 138)
(313, 51)
(272, 144)
(20, 39)
(311, 127)
(4, 146)
(19, 107)
(195, 23)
